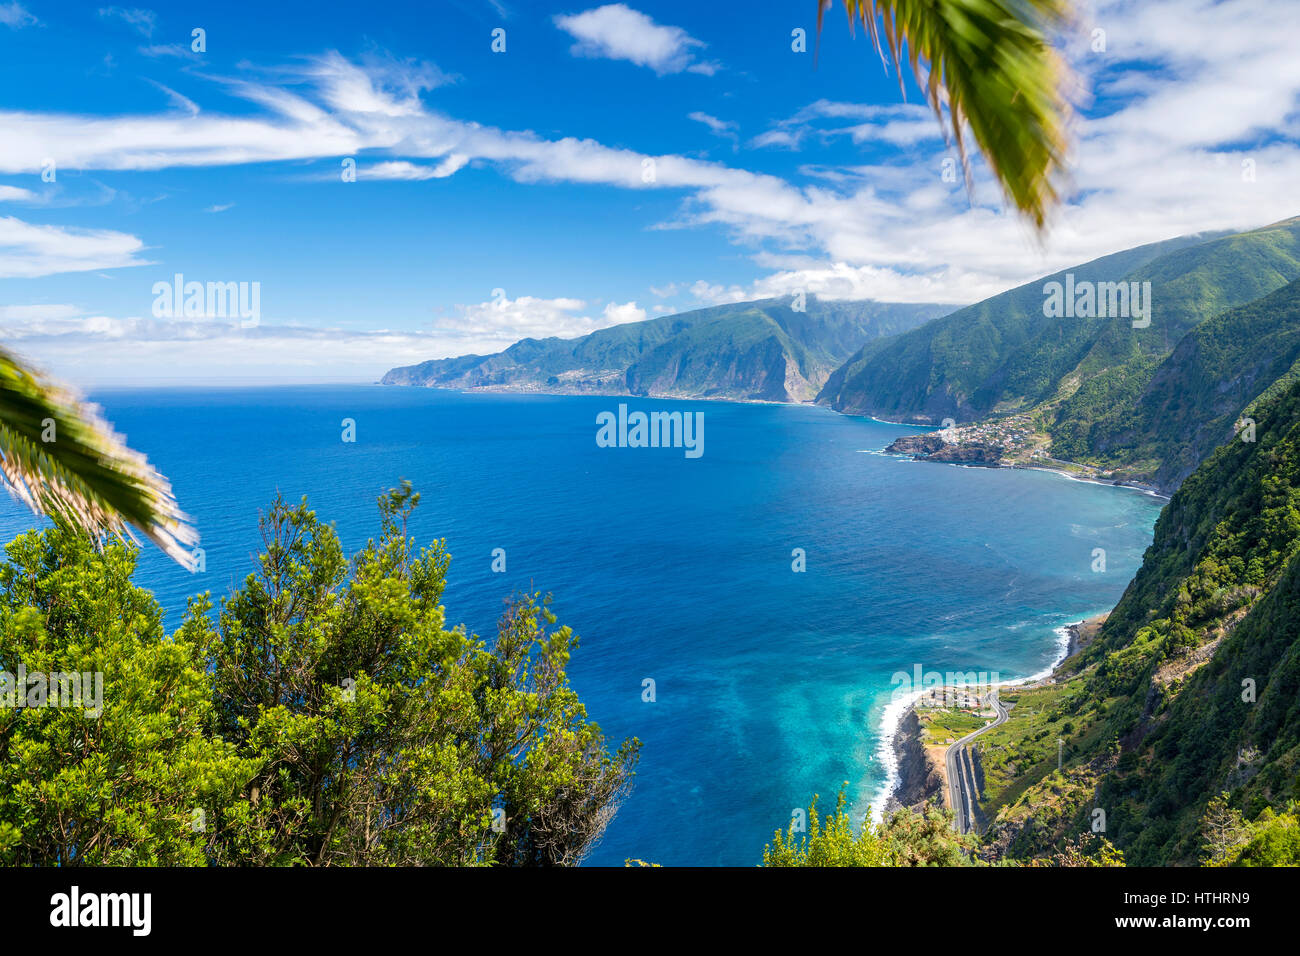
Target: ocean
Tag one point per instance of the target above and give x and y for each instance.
(770, 684)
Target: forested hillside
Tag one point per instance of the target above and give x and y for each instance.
(1195, 396)
(1192, 688)
(1100, 390)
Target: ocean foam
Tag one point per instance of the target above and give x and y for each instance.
(891, 721)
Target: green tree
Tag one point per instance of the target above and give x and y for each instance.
(906, 838)
(330, 716)
(1088, 850)
(831, 843)
(1274, 841)
(384, 737)
(124, 775)
(926, 838)
(60, 458)
(1222, 831)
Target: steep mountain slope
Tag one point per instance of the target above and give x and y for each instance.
(1200, 391)
(750, 350)
(1187, 287)
(1192, 687)
(1083, 379)
(997, 355)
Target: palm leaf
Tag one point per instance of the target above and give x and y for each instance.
(989, 62)
(84, 475)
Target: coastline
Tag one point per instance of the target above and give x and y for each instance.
(898, 748)
(561, 393)
(917, 447)
(1151, 490)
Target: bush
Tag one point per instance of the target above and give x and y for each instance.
(328, 716)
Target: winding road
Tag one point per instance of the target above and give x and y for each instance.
(961, 770)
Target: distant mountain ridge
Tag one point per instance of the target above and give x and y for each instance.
(763, 350)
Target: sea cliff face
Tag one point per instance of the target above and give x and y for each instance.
(920, 776)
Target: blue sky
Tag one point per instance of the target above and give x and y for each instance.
(502, 194)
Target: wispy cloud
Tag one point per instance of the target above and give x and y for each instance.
(178, 51)
(1164, 158)
(182, 103)
(143, 22)
(897, 124)
(720, 128)
(617, 32)
(28, 250)
(105, 350)
(502, 321)
(413, 172)
(16, 16)
(28, 314)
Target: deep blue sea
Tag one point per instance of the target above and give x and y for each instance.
(770, 684)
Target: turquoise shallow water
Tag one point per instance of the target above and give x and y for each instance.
(770, 684)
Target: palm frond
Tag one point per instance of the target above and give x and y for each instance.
(991, 65)
(60, 458)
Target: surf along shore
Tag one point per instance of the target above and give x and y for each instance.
(917, 729)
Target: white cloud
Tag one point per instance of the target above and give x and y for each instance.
(28, 250)
(182, 103)
(180, 51)
(16, 16)
(841, 281)
(400, 169)
(16, 194)
(104, 350)
(712, 294)
(503, 321)
(617, 314)
(1165, 160)
(617, 32)
(220, 207)
(95, 349)
(101, 350)
(143, 22)
(34, 313)
(779, 138)
(897, 124)
(720, 128)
